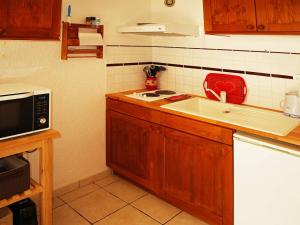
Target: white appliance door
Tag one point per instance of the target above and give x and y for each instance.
(267, 184)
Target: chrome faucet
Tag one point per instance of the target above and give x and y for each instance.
(223, 95)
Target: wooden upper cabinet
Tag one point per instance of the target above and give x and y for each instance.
(278, 15)
(229, 16)
(30, 19)
(252, 16)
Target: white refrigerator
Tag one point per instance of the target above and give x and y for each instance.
(266, 182)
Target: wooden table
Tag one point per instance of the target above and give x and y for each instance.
(42, 142)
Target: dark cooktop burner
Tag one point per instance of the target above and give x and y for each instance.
(151, 94)
(165, 92)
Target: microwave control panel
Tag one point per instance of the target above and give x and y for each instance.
(41, 111)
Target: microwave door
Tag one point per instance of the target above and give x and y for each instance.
(16, 114)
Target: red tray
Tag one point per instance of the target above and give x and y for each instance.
(234, 86)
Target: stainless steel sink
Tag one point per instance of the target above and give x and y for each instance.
(244, 116)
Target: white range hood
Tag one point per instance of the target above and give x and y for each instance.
(169, 29)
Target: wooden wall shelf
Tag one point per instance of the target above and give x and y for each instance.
(70, 39)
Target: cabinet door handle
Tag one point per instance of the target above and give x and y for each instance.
(250, 27)
(261, 27)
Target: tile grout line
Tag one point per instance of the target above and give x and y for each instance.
(78, 187)
(144, 213)
(67, 204)
(126, 203)
(99, 188)
(107, 184)
(112, 213)
(88, 192)
(115, 211)
(81, 196)
(85, 219)
(174, 216)
(124, 200)
(93, 182)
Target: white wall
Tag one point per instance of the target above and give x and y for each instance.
(78, 85)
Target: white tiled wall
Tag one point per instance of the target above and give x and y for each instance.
(263, 91)
(122, 78)
(116, 54)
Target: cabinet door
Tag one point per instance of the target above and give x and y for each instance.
(3, 6)
(229, 16)
(198, 175)
(31, 19)
(132, 148)
(280, 16)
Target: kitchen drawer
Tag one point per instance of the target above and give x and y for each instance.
(198, 128)
(134, 110)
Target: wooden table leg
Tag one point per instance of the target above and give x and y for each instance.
(46, 176)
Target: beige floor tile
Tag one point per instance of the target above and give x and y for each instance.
(185, 219)
(125, 191)
(127, 216)
(107, 180)
(57, 202)
(73, 195)
(97, 205)
(156, 208)
(94, 178)
(66, 189)
(64, 215)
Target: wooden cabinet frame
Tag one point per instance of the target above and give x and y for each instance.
(248, 27)
(217, 207)
(251, 17)
(43, 143)
(13, 28)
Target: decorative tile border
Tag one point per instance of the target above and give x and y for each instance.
(233, 71)
(258, 74)
(127, 64)
(209, 49)
(204, 68)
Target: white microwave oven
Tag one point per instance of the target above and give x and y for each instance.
(24, 109)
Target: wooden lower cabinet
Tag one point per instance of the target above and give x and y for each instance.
(195, 174)
(133, 148)
(192, 172)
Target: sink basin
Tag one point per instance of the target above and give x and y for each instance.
(243, 116)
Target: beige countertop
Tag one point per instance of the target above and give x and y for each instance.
(292, 138)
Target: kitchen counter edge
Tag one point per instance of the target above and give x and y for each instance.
(292, 138)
